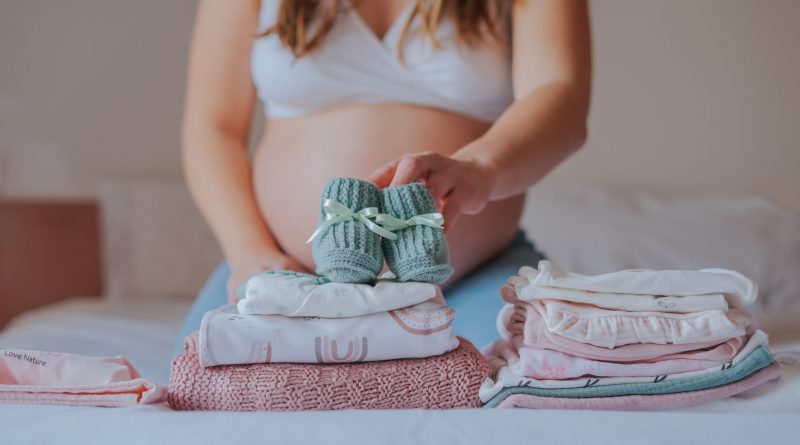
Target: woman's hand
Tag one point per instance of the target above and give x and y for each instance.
(458, 186)
(247, 266)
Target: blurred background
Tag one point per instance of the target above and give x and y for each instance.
(689, 95)
(691, 99)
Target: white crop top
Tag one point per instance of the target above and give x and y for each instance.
(354, 65)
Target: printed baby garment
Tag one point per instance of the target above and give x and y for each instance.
(60, 378)
(422, 330)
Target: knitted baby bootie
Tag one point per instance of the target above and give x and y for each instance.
(420, 252)
(348, 251)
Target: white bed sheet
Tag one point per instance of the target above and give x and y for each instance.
(144, 331)
(145, 334)
(473, 426)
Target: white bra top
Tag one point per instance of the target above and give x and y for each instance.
(354, 65)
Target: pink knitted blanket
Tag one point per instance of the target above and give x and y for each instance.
(450, 380)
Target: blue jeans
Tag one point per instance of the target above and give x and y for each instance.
(476, 298)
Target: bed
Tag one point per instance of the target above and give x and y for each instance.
(141, 315)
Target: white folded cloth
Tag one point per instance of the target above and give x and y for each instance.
(301, 295)
(422, 330)
(681, 291)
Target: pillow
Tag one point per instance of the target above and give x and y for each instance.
(156, 243)
(595, 230)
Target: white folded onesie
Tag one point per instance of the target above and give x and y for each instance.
(679, 291)
(301, 295)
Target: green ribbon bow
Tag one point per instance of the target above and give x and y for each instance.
(336, 212)
(384, 225)
(389, 222)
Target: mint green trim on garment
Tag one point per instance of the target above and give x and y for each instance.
(291, 273)
(760, 358)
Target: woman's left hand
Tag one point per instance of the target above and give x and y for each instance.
(458, 186)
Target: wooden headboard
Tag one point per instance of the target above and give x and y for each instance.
(49, 251)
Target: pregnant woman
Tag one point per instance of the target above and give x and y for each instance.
(477, 99)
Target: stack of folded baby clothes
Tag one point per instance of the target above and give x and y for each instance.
(344, 339)
(637, 339)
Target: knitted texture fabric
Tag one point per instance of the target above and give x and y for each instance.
(447, 381)
(348, 252)
(420, 252)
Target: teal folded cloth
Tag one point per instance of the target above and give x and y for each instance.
(420, 252)
(758, 359)
(348, 251)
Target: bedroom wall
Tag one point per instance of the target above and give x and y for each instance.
(695, 96)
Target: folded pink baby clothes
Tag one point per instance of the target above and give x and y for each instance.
(446, 381)
(521, 325)
(55, 378)
(505, 377)
(611, 328)
(547, 364)
(645, 402)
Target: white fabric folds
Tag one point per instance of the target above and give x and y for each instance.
(681, 291)
(609, 328)
(301, 295)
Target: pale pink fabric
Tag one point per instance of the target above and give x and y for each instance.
(69, 379)
(642, 402)
(546, 364)
(521, 326)
(446, 381)
(612, 328)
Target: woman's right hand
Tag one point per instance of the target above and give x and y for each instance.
(244, 268)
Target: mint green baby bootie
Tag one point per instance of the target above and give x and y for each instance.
(348, 251)
(420, 252)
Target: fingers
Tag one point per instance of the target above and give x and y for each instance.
(440, 186)
(415, 167)
(382, 176)
(409, 169)
(453, 208)
(418, 167)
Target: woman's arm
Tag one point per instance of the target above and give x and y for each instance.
(546, 123)
(219, 103)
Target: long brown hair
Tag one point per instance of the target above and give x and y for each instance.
(473, 19)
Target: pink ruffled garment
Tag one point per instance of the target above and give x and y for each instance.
(521, 325)
(55, 378)
(644, 402)
(447, 381)
(612, 328)
(547, 364)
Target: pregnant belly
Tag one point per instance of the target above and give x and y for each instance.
(298, 156)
